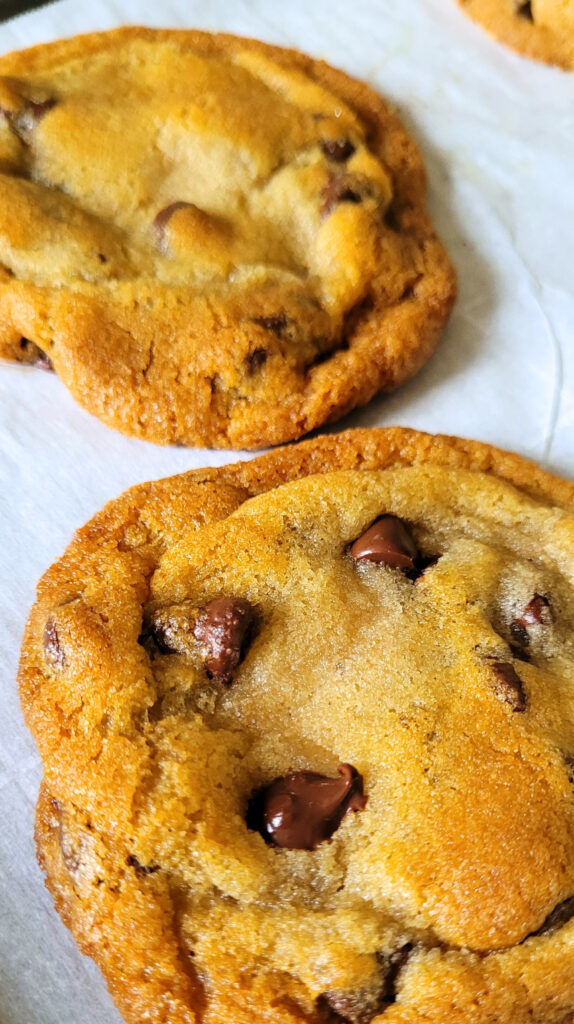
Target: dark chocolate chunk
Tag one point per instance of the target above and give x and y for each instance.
(338, 190)
(161, 221)
(507, 685)
(303, 809)
(338, 150)
(389, 541)
(53, 651)
(223, 628)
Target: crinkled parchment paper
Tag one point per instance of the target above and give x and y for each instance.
(497, 132)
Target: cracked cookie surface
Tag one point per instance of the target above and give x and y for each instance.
(307, 734)
(541, 29)
(211, 240)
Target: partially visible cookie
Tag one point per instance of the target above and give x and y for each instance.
(541, 29)
(307, 727)
(213, 241)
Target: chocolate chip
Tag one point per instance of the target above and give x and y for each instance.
(559, 916)
(507, 685)
(519, 652)
(256, 359)
(519, 633)
(53, 651)
(424, 562)
(537, 611)
(360, 1007)
(395, 964)
(388, 541)
(338, 150)
(142, 870)
(303, 809)
(338, 190)
(162, 219)
(524, 10)
(223, 629)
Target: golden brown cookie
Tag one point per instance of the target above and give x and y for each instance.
(211, 240)
(541, 29)
(308, 737)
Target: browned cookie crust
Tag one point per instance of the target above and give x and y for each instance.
(213, 241)
(213, 647)
(541, 29)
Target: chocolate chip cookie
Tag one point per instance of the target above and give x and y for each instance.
(308, 737)
(542, 29)
(212, 241)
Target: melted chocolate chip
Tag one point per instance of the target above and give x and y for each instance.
(223, 629)
(559, 916)
(519, 633)
(162, 219)
(507, 685)
(53, 651)
(525, 11)
(388, 541)
(303, 809)
(256, 359)
(537, 611)
(338, 150)
(337, 191)
(141, 870)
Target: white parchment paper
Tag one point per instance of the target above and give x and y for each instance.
(497, 133)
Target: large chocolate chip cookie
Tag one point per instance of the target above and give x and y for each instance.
(308, 742)
(542, 29)
(212, 241)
